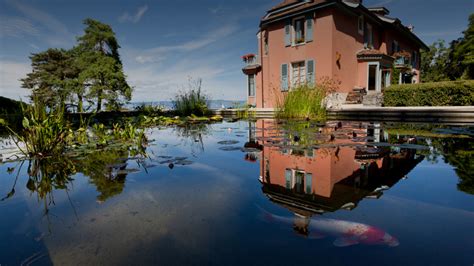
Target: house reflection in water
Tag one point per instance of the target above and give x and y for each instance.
(335, 175)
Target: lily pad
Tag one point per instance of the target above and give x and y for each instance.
(228, 142)
(230, 148)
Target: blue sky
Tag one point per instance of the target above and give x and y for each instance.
(165, 42)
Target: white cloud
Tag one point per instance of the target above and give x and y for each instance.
(34, 46)
(57, 33)
(10, 74)
(159, 53)
(134, 18)
(16, 27)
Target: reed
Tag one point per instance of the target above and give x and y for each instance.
(191, 101)
(304, 101)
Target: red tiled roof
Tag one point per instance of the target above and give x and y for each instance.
(370, 52)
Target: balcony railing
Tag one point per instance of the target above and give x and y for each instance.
(251, 60)
(402, 61)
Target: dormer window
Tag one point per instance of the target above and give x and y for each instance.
(299, 30)
(360, 25)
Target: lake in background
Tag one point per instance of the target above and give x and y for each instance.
(250, 193)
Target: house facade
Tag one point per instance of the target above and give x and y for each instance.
(337, 41)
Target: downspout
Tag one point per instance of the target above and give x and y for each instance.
(261, 62)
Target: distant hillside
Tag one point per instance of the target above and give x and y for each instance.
(9, 106)
(11, 112)
(214, 104)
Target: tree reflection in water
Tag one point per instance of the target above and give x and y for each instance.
(192, 135)
(459, 153)
(106, 168)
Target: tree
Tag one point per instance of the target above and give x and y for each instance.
(101, 68)
(463, 52)
(52, 78)
(434, 61)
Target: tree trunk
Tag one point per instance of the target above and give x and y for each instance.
(99, 101)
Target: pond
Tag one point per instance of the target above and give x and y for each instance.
(250, 193)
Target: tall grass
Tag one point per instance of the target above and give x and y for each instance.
(305, 101)
(192, 101)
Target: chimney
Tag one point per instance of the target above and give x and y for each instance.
(411, 27)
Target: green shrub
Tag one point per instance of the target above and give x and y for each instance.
(446, 93)
(192, 101)
(304, 101)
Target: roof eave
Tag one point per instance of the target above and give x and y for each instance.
(266, 22)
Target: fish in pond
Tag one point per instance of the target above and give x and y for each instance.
(345, 233)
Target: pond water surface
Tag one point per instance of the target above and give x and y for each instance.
(250, 193)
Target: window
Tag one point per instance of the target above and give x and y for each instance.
(414, 59)
(298, 74)
(395, 47)
(251, 85)
(360, 25)
(369, 37)
(299, 30)
(265, 45)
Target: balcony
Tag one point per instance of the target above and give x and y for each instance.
(402, 60)
(252, 64)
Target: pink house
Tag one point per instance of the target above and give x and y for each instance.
(309, 41)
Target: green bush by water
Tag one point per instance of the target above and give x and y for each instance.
(303, 102)
(446, 93)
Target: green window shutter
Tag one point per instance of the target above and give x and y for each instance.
(310, 72)
(288, 33)
(288, 178)
(308, 183)
(284, 77)
(309, 28)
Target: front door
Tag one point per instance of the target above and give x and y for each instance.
(374, 78)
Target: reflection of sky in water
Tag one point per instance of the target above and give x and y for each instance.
(207, 212)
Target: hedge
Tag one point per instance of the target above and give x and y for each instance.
(445, 93)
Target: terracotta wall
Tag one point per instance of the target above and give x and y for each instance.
(319, 50)
(347, 42)
(335, 36)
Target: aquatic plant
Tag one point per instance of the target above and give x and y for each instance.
(305, 101)
(44, 133)
(192, 100)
